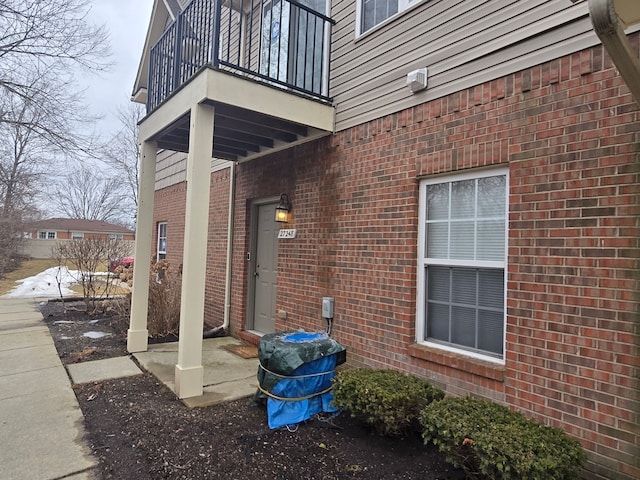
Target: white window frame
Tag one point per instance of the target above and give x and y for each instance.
(116, 236)
(424, 261)
(47, 235)
(77, 235)
(158, 250)
(403, 6)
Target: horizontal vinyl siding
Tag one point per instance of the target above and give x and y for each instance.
(462, 43)
(252, 46)
(229, 35)
(217, 164)
(170, 168)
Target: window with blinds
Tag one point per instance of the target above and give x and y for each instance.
(162, 241)
(375, 12)
(462, 262)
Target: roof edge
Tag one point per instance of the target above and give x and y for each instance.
(154, 31)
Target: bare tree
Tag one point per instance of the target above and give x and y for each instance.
(10, 241)
(88, 194)
(43, 44)
(123, 151)
(22, 159)
(21, 156)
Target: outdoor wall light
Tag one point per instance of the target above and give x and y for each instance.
(283, 209)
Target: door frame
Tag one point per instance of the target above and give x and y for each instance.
(250, 258)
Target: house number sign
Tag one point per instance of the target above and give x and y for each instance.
(287, 233)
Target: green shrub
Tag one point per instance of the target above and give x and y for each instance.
(485, 438)
(388, 400)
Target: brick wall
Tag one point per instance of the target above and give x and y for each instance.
(266, 177)
(573, 352)
(570, 134)
(217, 248)
(169, 206)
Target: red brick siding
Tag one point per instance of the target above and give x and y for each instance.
(270, 181)
(570, 134)
(572, 344)
(169, 206)
(217, 248)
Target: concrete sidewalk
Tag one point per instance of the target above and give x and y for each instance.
(41, 430)
(41, 424)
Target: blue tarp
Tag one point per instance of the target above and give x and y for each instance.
(295, 375)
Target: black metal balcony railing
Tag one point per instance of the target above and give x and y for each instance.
(281, 42)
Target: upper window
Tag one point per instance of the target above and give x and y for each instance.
(47, 235)
(162, 241)
(462, 258)
(374, 12)
(77, 235)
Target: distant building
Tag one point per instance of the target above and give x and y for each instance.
(43, 235)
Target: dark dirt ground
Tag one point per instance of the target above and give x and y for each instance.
(139, 429)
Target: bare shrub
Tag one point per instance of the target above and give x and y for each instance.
(164, 300)
(165, 283)
(88, 256)
(55, 253)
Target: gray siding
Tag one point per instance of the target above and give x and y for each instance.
(170, 168)
(230, 35)
(463, 43)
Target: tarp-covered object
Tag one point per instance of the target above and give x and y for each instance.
(295, 375)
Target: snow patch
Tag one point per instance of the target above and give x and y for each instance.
(45, 284)
(96, 334)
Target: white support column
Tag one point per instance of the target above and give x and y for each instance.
(189, 371)
(137, 335)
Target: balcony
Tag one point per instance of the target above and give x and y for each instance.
(262, 65)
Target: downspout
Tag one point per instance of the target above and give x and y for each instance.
(230, 223)
(610, 30)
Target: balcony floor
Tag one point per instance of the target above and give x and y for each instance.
(252, 118)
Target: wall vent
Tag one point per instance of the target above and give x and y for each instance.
(417, 80)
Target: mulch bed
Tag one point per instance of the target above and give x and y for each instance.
(137, 428)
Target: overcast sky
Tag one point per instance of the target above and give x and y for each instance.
(127, 22)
